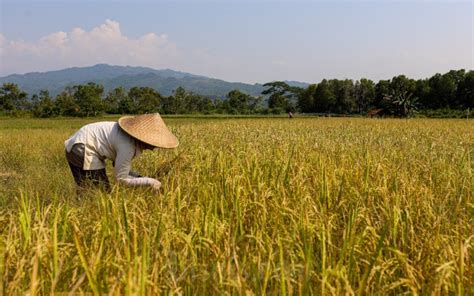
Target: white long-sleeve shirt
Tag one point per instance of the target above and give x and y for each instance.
(106, 140)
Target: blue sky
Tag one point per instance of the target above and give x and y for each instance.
(248, 41)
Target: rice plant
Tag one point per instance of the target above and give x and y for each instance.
(323, 206)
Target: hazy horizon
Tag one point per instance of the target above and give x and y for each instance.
(250, 42)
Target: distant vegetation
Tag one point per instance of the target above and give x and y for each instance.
(442, 95)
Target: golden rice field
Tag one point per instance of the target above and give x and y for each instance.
(323, 206)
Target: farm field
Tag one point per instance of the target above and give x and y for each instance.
(324, 206)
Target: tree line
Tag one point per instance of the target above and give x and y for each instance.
(452, 92)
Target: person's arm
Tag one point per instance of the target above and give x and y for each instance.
(123, 162)
(131, 173)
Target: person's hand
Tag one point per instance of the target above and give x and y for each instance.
(156, 185)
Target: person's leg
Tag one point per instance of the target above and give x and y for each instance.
(99, 178)
(75, 159)
(85, 178)
(77, 173)
(79, 177)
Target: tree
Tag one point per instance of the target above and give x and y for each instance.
(146, 99)
(465, 92)
(44, 106)
(422, 92)
(458, 76)
(442, 91)
(166, 105)
(398, 98)
(364, 93)
(306, 99)
(191, 103)
(281, 95)
(401, 83)
(204, 104)
(183, 101)
(382, 89)
(344, 92)
(88, 98)
(12, 98)
(175, 104)
(222, 106)
(324, 98)
(113, 100)
(126, 106)
(255, 104)
(240, 102)
(66, 104)
(400, 103)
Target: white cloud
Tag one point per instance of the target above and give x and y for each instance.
(102, 44)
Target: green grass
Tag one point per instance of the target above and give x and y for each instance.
(249, 206)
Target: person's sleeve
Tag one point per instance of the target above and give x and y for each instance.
(131, 173)
(134, 174)
(123, 163)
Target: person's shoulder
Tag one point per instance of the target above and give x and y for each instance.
(101, 125)
(106, 123)
(122, 135)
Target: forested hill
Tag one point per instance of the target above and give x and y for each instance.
(164, 81)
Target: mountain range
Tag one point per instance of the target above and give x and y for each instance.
(164, 81)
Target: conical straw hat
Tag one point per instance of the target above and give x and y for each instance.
(149, 128)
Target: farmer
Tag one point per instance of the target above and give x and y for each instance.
(88, 148)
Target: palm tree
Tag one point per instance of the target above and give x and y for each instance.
(401, 104)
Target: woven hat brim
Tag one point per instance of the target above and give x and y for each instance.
(150, 129)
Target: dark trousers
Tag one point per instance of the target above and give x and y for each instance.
(90, 178)
(85, 178)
